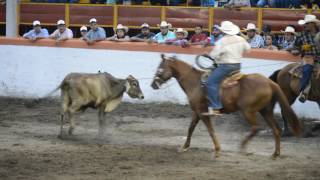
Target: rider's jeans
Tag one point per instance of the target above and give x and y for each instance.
(306, 75)
(214, 81)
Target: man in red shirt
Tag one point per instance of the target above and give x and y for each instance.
(199, 37)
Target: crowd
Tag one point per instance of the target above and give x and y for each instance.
(212, 3)
(180, 37)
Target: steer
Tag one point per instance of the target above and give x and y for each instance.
(100, 91)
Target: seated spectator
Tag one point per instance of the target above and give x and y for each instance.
(111, 2)
(308, 4)
(84, 32)
(164, 33)
(207, 3)
(237, 4)
(37, 32)
(215, 35)
(96, 33)
(120, 34)
(199, 37)
(268, 43)
(287, 42)
(222, 3)
(254, 39)
(62, 33)
(145, 34)
(181, 38)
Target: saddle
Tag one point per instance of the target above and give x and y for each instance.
(231, 80)
(296, 71)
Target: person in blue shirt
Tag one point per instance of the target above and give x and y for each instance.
(96, 33)
(164, 34)
(37, 32)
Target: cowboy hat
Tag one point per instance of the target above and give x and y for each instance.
(144, 25)
(250, 26)
(61, 22)
(228, 27)
(84, 28)
(121, 27)
(93, 20)
(181, 30)
(36, 23)
(309, 18)
(165, 24)
(289, 29)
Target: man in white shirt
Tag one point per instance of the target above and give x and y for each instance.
(62, 33)
(227, 54)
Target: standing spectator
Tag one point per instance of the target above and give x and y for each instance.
(84, 32)
(237, 4)
(215, 35)
(181, 38)
(310, 52)
(287, 42)
(120, 34)
(199, 37)
(254, 39)
(62, 33)
(96, 33)
(145, 34)
(164, 33)
(268, 43)
(37, 32)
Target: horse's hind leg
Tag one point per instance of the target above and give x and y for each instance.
(252, 119)
(193, 124)
(214, 138)
(267, 114)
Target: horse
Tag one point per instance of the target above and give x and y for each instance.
(290, 85)
(253, 93)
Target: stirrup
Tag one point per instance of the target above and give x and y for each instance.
(212, 112)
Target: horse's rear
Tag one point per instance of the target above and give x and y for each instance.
(255, 93)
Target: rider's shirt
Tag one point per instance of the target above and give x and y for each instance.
(230, 49)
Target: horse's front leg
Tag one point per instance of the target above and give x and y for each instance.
(193, 124)
(212, 134)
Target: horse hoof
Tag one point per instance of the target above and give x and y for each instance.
(182, 149)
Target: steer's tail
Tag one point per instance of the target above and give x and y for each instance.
(37, 101)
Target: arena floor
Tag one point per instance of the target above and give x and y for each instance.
(141, 142)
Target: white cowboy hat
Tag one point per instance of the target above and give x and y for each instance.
(251, 26)
(61, 22)
(308, 19)
(84, 28)
(289, 29)
(120, 26)
(36, 23)
(144, 25)
(93, 20)
(228, 27)
(181, 30)
(165, 24)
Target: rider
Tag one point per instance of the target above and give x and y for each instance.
(310, 52)
(227, 53)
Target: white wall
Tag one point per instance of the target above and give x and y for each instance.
(29, 72)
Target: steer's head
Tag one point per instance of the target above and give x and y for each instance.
(133, 88)
(163, 73)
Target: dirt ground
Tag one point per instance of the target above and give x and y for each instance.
(141, 142)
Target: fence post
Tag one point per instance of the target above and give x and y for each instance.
(260, 21)
(211, 16)
(115, 16)
(67, 14)
(163, 13)
(12, 18)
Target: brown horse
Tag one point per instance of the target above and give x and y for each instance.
(290, 86)
(254, 93)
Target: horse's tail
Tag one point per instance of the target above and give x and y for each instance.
(274, 75)
(287, 111)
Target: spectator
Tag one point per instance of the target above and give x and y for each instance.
(84, 32)
(164, 33)
(289, 38)
(199, 37)
(266, 3)
(37, 32)
(120, 34)
(63, 1)
(215, 35)
(96, 33)
(254, 39)
(62, 33)
(207, 3)
(222, 3)
(181, 38)
(237, 4)
(268, 43)
(310, 52)
(307, 4)
(111, 2)
(145, 34)
(97, 1)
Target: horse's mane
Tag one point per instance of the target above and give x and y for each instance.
(183, 63)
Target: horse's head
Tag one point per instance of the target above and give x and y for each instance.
(163, 73)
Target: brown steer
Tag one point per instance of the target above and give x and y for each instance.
(100, 91)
